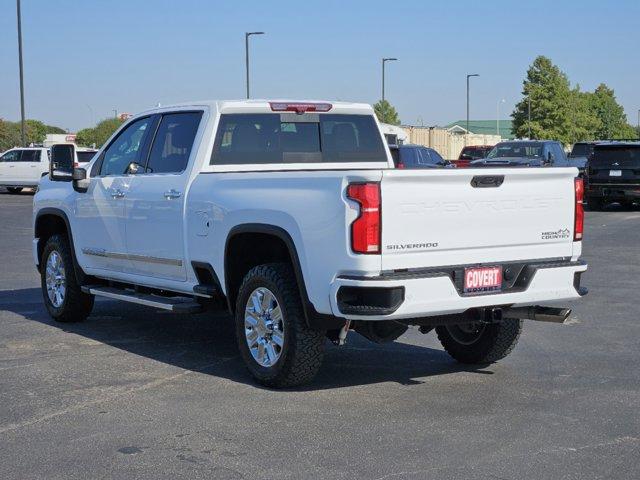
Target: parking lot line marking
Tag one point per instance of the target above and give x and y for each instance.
(79, 406)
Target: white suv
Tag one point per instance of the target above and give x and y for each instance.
(23, 167)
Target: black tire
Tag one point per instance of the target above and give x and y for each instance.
(14, 189)
(76, 305)
(303, 347)
(493, 342)
(595, 204)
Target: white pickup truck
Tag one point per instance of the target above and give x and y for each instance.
(292, 217)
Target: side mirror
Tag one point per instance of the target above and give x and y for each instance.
(134, 168)
(63, 157)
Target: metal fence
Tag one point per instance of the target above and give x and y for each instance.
(446, 143)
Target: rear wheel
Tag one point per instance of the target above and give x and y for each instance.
(276, 344)
(14, 189)
(62, 295)
(480, 342)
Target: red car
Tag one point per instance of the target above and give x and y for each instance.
(470, 153)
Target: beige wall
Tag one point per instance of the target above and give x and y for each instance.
(446, 144)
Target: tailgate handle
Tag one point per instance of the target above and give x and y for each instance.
(487, 181)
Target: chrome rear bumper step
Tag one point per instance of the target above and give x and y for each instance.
(172, 304)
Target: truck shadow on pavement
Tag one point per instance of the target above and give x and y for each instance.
(206, 343)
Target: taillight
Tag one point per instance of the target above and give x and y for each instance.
(578, 226)
(300, 108)
(365, 230)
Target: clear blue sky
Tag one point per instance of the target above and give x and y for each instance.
(129, 54)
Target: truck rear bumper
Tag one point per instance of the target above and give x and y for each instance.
(429, 293)
(614, 191)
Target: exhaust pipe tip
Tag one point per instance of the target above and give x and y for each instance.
(540, 314)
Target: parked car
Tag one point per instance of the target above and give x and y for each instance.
(417, 156)
(613, 174)
(525, 153)
(22, 168)
(471, 153)
(292, 217)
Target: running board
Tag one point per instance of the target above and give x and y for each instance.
(172, 304)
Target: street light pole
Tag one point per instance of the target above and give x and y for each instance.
(529, 115)
(384, 60)
(469, 76)
(246, 54)
(498, 115)
(22, 125)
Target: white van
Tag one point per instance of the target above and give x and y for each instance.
(23, 167)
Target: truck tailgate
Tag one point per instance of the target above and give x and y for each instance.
(468, 216)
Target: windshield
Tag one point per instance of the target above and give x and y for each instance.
(517, 150)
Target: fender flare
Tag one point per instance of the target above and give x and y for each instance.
(56, 212)
(313, 318)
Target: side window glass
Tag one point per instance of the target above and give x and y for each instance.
(12, 156)
(30, 156)
(424, 157)
(125, 149)
(173, 142)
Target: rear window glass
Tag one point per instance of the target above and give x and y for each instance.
(30, 156)
(623, 156)
(288, 138)
(473, 153)
(84, 157)
(581, 150)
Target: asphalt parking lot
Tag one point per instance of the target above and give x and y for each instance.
(136, 393)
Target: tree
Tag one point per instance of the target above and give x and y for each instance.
(9, 135)
(99, 134)
(548, 90)
(386, 113)
(612, 121)
(35, 132)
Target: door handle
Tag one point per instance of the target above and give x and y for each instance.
(116, 193)
(171, 194)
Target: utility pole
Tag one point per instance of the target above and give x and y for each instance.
(22, 122)
(246, 54)
(385, 60)
(529, 115)
(469, 76)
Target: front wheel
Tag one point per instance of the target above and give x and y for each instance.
(63, 298)
(275, 342)
(480, 343)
